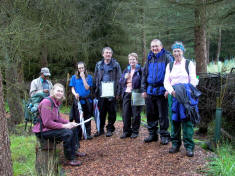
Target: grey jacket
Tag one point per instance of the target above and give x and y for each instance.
(36, 86)
(115, 75)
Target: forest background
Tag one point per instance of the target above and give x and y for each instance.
(57, 34)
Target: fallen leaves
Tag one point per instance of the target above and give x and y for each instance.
(124, 157)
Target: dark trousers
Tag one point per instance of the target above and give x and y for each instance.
(130, 115)
(87, 113)
(107, 105)
(68, 136)
(87, 109)
(157, 111)
(188, 132)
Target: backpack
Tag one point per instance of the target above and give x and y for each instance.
(31, 113)
(186, 65)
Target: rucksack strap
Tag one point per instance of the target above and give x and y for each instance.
(171, 65)
(186, 65)
(39, 116)
(52, 103)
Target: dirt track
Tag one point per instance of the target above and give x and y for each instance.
(115, 156)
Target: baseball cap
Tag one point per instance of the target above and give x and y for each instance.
(45, 71)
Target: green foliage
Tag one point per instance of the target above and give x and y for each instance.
(6, 107)
(23, 154)
(65, 109)
(224, 163)
(119, 116)
(221, 67)
(69, 31)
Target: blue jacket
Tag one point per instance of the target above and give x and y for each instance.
(185, 104)
(79, 87)
(136, 79)
(154, 72)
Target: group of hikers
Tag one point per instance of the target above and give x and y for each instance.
(163, 74)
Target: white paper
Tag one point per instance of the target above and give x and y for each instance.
(136, 98)
(107, 89)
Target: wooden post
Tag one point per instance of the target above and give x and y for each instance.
(46, 158)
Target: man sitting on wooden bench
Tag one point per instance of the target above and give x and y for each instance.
(50, 126)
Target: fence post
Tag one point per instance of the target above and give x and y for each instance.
(218, 115)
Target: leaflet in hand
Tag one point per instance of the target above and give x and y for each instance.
(136, 98)
(107, 89)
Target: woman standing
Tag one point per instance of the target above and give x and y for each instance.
(51, 126)
(80, 84)
(179, 78)
(130, 80)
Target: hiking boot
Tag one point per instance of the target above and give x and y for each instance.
(134, 135)
(164, 140)
(73, 163)
(189, 153)
(109, 134)
(98, 133)
(89, 137)
(125, 135)
(151, 138)
(80, 154)
(174, 149)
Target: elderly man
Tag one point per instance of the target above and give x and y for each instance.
(155, 93)
(107, 89)
(41, 84)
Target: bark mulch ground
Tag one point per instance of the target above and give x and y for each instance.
(111, 156)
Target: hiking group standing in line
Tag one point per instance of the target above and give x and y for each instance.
(160, 77)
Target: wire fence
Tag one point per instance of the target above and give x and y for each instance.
(218, 90)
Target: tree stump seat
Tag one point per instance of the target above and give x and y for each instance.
(46, 157)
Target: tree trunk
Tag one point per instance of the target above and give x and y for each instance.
(13, 94)
(208, 49)
(218, 45)
(143, 34)
(44, 54)
(200, 37)
(5, 153)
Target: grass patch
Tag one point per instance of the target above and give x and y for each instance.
(119, 116)
(224, 163)
(143, 116)
(65, 109)
(6, 107)
(23, 154)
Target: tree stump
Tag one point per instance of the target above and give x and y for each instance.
(46, 158)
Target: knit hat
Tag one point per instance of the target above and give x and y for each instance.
(178, 45)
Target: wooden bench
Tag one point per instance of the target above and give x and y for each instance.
(47, 161)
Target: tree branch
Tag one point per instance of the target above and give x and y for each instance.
(229, 13)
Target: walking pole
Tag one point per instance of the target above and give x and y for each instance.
(82, 120)
(97, 115)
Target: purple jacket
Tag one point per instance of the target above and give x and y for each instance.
(136, 79)
(51, 119)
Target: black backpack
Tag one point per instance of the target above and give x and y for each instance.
(186, 65)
